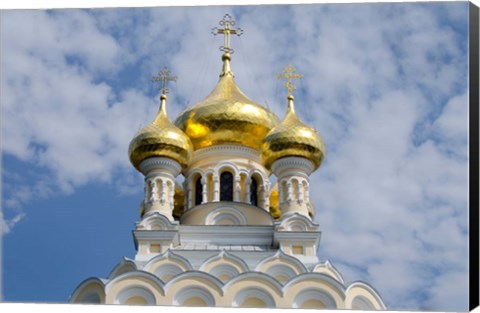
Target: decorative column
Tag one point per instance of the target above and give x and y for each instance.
(204, 189)
(266, 197)
(172, 195)
(163, 193)
(248, 193)
(216, 188)
(236, 184)
(300, 193)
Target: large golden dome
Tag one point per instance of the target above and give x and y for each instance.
(227, 115)
(292, 138)
(160, 139)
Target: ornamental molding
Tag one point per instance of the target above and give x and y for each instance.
(289, 222)
(160, 163)
(226, 150)
(289, 163)
(227, 235)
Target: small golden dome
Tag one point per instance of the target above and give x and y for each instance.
(292, 138)
(225, 116)
(160, 139)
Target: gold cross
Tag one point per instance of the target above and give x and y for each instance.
(227, 22)
(164, 76)
(289, 74)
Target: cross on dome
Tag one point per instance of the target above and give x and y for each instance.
(227, 22)
(164, 76)
(289, 74)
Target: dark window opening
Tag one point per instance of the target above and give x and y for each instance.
(226, 186)
(253, 192)
(198, 191)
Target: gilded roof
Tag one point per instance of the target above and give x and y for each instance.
(160, 139)
(226, 115)
(292, 138)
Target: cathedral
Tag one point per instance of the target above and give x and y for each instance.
(240, 230)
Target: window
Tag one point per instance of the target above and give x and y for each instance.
(297, 249)
(198, 190)
(254, 192)
(226, 186)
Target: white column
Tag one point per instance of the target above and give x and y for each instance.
(236, 184)
(153, 191)
(289, 191)
(216, 188)
(172, 195)
(163, 193)
(300, 193)
(248, 195)
(204, 189)
(266, 196)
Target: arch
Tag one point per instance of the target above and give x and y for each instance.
(360, 295)
(281, 272)
(224, 272)
(91, 290)
(362, 303)
(168, 258)
(314, 298)
(226, 186)
(281, 258)
(196, 279)
(124, 266)
(194, 296)
(135, 295)
(138, 278)
(226, 216)
(167, 271)
(319, 284)
(224, 266)
(156, 221)
(296, 222)
(259, 279)
(253, 298)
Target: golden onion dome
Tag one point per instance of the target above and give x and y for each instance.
(226, 116)
(292, 138)
(160, 139)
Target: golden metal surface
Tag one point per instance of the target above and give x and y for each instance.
(289, 74)
(275, 202)
(292, 138)
(160, 139)
(227, 115)
(178, 201)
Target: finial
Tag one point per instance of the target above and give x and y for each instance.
(164, 76)
(227, 23)
(289, 74)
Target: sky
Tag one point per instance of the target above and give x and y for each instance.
(385, 85)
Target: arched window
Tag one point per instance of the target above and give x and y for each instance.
(226, 186)
(198, 190)
(254, 192)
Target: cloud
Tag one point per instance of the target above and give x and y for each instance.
(384, 84)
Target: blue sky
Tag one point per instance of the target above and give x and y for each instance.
(384, 84)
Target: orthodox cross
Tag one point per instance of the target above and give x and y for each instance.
(227, 23)
(289, 74)
(164, 76)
